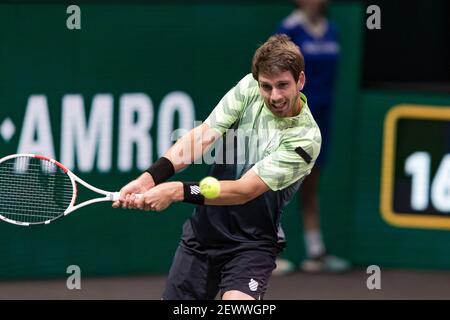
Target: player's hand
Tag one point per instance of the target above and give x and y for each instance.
(129, 191)
(160, 197)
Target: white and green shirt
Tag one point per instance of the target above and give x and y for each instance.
(282, 151)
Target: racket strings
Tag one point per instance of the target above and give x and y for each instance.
(33, 190)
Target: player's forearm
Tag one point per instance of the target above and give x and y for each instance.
(232, 193)
(191, 146)
(241, 191)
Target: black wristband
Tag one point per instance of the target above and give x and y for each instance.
(192, 193)
(161, 170)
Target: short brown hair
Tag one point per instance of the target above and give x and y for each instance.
(278, 54)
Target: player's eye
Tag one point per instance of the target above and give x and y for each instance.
(266, 87)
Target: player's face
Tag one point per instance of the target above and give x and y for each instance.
(280, 93)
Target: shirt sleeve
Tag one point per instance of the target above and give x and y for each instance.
(231, 106)
(285, 165)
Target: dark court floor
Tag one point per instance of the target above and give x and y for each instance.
(395, 284)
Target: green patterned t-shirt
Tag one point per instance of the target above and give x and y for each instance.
(281, 151)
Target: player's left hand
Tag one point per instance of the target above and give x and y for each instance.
(159, 197)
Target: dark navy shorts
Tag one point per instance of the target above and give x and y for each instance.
(200, 276)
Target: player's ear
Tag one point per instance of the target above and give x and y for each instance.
(301, 81)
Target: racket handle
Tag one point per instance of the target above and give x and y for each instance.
(116, 196)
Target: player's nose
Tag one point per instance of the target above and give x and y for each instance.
(275, 96)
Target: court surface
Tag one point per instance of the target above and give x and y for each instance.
(395, 284)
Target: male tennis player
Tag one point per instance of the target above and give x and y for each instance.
(230, 243)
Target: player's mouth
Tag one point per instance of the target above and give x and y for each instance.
(278, 106)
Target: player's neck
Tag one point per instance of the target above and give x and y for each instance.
(297, 107)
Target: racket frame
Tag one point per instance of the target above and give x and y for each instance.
(107, 196)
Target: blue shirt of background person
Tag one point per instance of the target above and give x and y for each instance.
(320, 47)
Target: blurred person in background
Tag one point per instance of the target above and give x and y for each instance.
(317, 37)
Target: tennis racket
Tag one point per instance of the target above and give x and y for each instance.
(37, 190)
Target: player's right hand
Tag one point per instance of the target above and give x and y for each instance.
(128, 192)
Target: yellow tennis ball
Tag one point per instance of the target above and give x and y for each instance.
(210, 187)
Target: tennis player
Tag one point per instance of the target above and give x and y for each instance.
(230, 243)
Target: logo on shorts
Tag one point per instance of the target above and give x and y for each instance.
(253, 285)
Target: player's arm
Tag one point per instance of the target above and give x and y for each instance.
(241, 191)
(232, 192)
(184, 152)
(275, 172)
(190, 147)
(293, 160)
(235, 192)
(197, 141)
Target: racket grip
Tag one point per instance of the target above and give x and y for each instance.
(116, 196)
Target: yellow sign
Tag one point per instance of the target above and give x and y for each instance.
(416, 196)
